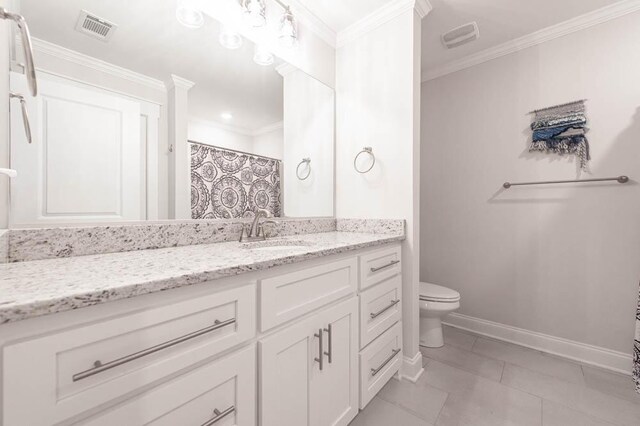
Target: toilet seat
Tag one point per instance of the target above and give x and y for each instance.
(436, 293)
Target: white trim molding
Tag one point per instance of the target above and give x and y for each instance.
(411, 368)
(313, 23)
(587, 354)
(268, 128)
(237, 129)
(562, 29)
(285, 68)
(380, 17)
(423, 7)
(47, 48)
(179, 83)
(228, 127)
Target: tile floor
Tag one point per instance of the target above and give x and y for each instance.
(478, 381)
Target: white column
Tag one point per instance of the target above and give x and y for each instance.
(378, 105)
(179, 161)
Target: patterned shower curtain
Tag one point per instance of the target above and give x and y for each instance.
(227, 184)
(636, 349)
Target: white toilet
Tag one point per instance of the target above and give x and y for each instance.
(435, 302)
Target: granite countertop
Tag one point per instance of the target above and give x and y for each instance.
(41, 287)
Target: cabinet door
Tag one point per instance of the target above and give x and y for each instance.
(286, 364)
(334, 390)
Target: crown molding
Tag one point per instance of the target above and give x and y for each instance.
(313, 23)
(423, 7)
(47, 48)
(562, 29)
(285, 68)
(381, 16)
(228, 127)
(237, 129)
(269, 128)
(179, 83)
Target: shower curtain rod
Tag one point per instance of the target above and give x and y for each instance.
(619, 179)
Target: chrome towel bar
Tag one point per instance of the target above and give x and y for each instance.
(375, 371)
(99, 367)
(30, 69)
(619, 179)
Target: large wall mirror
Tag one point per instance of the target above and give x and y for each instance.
(142, 117)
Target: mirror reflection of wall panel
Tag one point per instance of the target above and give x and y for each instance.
(308, 133)
(84, 162)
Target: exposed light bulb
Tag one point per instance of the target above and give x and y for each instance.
(262, 56)
(230, 38)
(188, 15)
(255, 12)
(226, 116)
(288, 33)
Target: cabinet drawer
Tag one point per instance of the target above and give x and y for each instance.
(379, 362)
(221, 393)
(52, 378)
(294, 294)
(380, 308)
(379, 265)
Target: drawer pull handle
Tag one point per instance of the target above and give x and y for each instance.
(375, 371)
(219, 415)
(329, 353)
(380, 268)
(99, 367)
(385, 309)
(320, 358)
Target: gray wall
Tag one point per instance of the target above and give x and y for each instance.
(560, 260)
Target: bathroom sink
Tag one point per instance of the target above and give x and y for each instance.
(275, 245)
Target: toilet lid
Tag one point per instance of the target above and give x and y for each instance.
(437, 293)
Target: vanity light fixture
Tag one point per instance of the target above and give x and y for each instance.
(255, 12)
(288, 33)
(188, 15)
(262, 56)
(230, 38)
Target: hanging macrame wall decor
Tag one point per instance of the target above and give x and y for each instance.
(562, 130)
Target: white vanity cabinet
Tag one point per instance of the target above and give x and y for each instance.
(309, 371)
(305, 344)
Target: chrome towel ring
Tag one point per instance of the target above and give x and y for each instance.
(306, 161)
(368, 150)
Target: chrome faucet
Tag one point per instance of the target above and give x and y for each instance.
(256, 231)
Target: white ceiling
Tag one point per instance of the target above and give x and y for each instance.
(499, 22)
(156, 45)
(339, 14)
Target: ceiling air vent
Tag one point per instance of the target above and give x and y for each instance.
(95, 27)
(461, 35)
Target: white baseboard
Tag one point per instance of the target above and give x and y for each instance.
(411, 368)
(587, 354)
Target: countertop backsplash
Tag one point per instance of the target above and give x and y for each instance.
(4, 245)
(29, 244)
